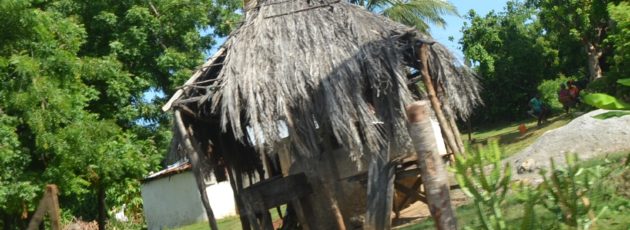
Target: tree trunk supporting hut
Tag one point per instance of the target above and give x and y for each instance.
(432, 169)
(193, 155)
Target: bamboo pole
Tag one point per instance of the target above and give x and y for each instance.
(457, 134)
(432, 170)
(193, 155)
(435, 102)
(451, 120)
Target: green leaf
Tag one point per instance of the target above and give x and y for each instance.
(625, 81)
(605, 101)
(611, 114)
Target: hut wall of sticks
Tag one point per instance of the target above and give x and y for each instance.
(316, 87)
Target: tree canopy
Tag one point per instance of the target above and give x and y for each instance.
(533, 47)
(511, 57)
(73, 75)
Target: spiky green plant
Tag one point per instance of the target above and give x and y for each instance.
(565, 192)
(482, 177)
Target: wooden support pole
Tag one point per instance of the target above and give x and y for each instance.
(193, 155)
(451, 121)
(435, 102)
(432, 168)
(333, 171)
(469, 126)
(49, 203)
(380, 191)
(237, 187)
(457, 134)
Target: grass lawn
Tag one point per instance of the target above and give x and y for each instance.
(509, 137)
(231, 223)
(612, 192)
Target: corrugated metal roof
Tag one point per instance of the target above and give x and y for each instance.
(178, 167)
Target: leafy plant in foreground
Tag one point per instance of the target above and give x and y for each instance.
(564, 192)
(482, 177)
(605, 101)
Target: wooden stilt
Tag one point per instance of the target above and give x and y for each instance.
(457, 134)
(193, 155)
(451, 121)
(468, 123)
(432, 168)
(380, 192)
(331, 167)
(435, 102)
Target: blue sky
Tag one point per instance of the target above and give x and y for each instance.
(454, 24)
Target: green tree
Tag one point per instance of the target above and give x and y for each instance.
(15, 187)
(511, 56)
(578, 21)
(619, 39)
(73, 74)
(416, 13)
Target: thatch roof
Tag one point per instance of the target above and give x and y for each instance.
(321, 65)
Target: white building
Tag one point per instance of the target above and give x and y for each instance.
(171, 199)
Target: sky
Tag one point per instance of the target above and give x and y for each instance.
(454, 24)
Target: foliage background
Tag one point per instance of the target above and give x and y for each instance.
(73, 74)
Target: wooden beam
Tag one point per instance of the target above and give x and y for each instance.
(451, 120)
(192, 79)
(431, 166)
(331, 167)
(410, 193)
(435, 101)
(414, 78)
(380, 191)
(193, 155)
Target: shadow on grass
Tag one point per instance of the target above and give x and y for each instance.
(511, 140)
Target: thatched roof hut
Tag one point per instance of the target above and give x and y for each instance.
(307, 67)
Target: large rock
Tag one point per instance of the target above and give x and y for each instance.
(585, 136)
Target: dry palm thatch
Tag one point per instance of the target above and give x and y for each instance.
(323, 65)
(461, 86)
(317, 65)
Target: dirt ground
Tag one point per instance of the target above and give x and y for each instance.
(419, 210)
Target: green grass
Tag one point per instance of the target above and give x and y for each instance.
(509, 138)
(612, 192)
(231, 223)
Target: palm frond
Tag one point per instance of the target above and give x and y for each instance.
(416, 13)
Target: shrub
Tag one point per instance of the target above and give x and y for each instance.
(548, 90)
(565, 192)
(487, 186)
